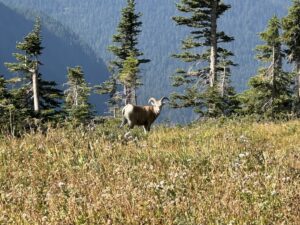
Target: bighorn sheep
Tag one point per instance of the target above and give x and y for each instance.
(142, 115)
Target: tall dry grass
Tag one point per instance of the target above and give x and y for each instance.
(216, 172)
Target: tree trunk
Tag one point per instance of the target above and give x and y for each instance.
(223, 82)
(127, 95)
(273, 72)
(35, 85)
(76, 95)
(12, 130)
(214, 45)
(115, 112)
(35, 90)
(134, 97)
(298, 79)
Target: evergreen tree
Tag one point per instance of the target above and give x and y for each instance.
(126, 41)
(227, 94)
(6, 108)
(77, 107)
(110, 87)
(33, 95)
(4, 102)
(270, 92)
(4, 95)
(291, 37)
(129, 78)
(203, 49)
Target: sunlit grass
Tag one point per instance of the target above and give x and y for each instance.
(216, 172)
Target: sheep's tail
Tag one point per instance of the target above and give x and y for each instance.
(125, 107)
(124, 121)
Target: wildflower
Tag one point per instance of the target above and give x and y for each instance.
(61, 184)
(268, 177)
(241, 155)
(246, 191)
(236, 165)
(161, 183)
(243, 139)
(245, 154)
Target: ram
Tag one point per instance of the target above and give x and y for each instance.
(134, 115)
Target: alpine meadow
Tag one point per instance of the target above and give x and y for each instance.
(178, 112)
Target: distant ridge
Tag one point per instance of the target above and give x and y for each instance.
(95, 22)
(63, 49)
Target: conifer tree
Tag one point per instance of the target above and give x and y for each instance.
(130, 79)
(34, 96)
(270, 93)
(4, 100)
(202, 50)
(77, 107)
(291, 37)
(29, 62)
(110, 87)
(6, 107)
(126, 41)
(4, 95)
(227, 93)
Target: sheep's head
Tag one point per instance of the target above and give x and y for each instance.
(158, 104)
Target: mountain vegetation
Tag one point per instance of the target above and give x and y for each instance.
(204, 87)
(127, 55)
(31, 86)
(62, 49)
(271, 91)
(77, 107)
(62, 164)
(291, 38)
(161, 38)
(204, 77)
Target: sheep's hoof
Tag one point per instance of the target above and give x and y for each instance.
(128, 136)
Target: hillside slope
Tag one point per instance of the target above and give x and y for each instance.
(218, 172)
(62, 50)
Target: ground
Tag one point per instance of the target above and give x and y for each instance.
(214, 172)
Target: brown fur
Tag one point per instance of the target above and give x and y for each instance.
(142, 115)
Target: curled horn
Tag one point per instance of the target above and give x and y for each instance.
(152, 100)
(164, 98)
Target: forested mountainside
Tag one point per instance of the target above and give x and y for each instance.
(62, 49)
(95, 22)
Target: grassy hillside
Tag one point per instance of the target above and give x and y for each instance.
(217, 172)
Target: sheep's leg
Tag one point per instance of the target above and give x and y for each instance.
(124, 121)
(131, 125)
(146, 128)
